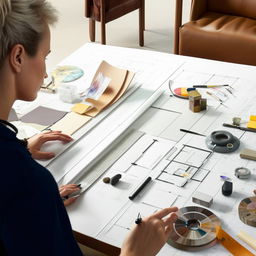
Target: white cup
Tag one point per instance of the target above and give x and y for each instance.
(68, 92)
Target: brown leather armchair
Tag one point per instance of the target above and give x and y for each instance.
(108, 10)
(218, 29)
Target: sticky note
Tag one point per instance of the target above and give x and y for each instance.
(251, 124)
(80, 108)
(253, 118)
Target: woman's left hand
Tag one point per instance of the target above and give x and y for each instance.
(35, 143)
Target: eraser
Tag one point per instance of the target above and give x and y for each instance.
(227, 188)
(202, 199)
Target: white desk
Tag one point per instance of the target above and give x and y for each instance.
(103, 214)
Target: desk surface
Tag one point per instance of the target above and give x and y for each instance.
(104, 212)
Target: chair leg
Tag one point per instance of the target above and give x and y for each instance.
(92, 29)
(143, 12)
(178, 22)
(103, 21)
(103, 32)
(142, 22)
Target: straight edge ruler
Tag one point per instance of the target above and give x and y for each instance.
(231, 244)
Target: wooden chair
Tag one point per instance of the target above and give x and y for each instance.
(105, 11)
(218, 29)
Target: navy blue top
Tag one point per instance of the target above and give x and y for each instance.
(33, 218)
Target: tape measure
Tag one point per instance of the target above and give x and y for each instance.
(231, 244)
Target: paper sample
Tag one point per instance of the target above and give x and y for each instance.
(81, 108)
(70, 123)
(113, 91)
(97, 87)
(43, 116)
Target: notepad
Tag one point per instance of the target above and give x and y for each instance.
(252, 123)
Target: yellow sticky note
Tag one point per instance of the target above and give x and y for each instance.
(80, 108)
(251, 124)
(252, 118)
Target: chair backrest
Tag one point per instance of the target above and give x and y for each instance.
(113, 8)
(88, 6)
(244, 8)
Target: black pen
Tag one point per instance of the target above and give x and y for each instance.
(188, 131)
(239, 127)
(138, 190)
(138, 219)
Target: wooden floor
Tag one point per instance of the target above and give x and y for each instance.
(90, 252)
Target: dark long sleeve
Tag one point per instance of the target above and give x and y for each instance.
(33, 219)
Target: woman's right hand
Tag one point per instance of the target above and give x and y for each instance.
(66, 190)
(148, 237)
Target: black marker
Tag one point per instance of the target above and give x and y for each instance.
(143, 185)
(188, 131)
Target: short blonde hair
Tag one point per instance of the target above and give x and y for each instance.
(22, 22)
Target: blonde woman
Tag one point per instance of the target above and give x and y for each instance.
(33, 219)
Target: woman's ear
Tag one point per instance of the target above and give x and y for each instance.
(16, 57)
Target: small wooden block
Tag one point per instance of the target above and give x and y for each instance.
(194, 94)
(248, 154)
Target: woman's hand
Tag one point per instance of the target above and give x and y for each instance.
(66, 190)
(35, 143)
(148, 237)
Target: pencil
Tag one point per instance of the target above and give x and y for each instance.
(239, 127)
(209, 86)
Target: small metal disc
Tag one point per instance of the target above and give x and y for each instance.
(242, 173)
(230, 145)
